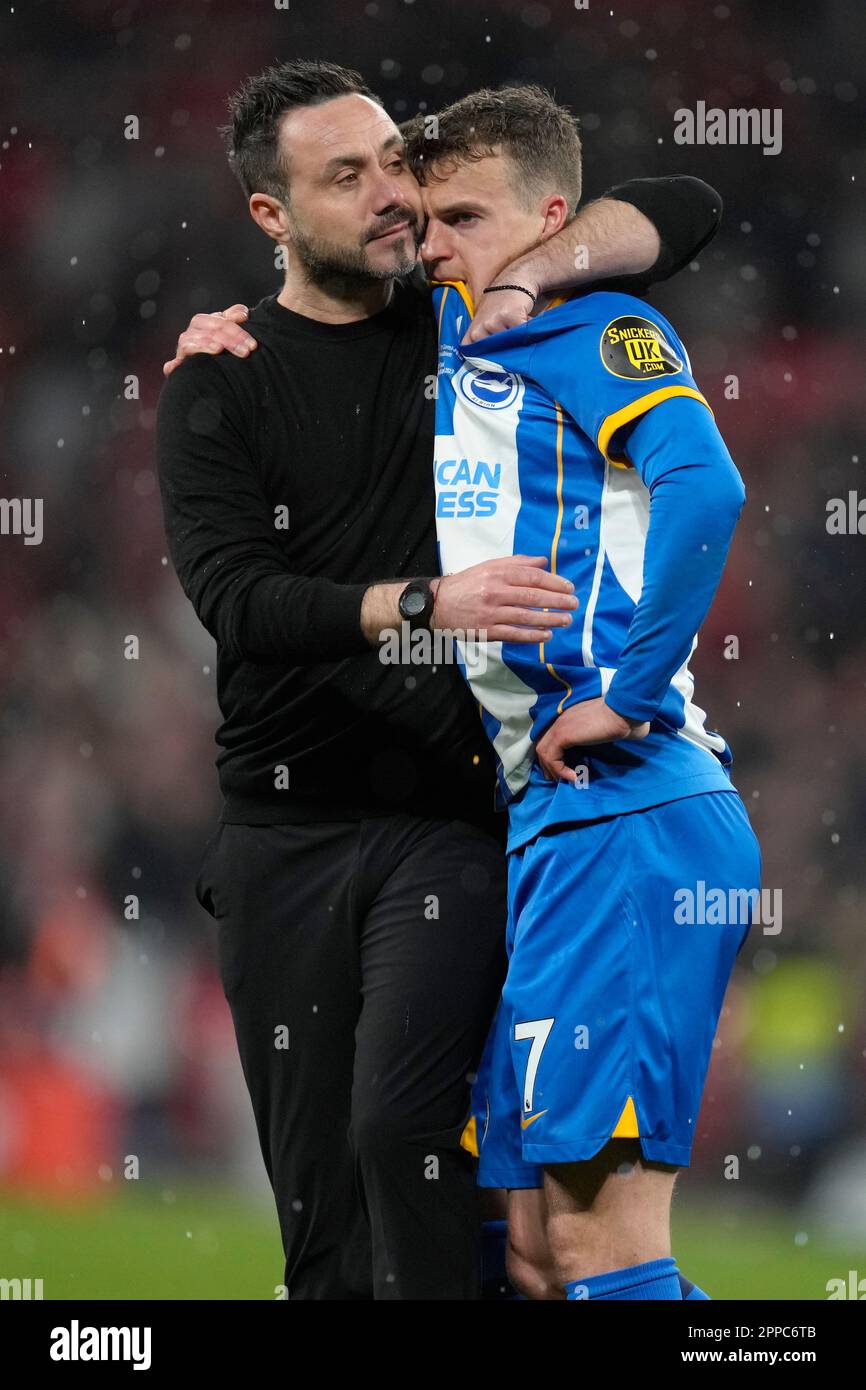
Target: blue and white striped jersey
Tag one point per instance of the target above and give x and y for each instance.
(530, 427)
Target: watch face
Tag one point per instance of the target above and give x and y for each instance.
(413, 603)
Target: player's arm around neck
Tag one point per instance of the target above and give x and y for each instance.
(606, 238)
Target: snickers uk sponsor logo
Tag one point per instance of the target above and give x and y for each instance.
(636, 348)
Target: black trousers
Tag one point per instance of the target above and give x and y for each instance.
(362, 962)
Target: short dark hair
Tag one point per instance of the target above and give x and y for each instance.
(541, 138)
(252, 138)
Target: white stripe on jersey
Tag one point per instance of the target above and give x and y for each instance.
(490, 435)
(694, 718)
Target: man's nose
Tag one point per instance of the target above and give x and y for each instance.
(434, 246)
(390, 194)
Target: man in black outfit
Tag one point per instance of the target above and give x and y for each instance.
(357, 875)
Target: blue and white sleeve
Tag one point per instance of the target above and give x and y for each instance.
(696, 497)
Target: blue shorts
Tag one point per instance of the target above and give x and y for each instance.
(622, 935)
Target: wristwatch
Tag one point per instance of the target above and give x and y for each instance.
(416, 604)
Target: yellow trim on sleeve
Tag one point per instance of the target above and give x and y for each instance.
(612, 423)
(627, 1125)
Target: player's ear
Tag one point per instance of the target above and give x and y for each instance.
(554, 212)
(270, 214)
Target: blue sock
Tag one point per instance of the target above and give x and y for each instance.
(494, 1280)
(691, 1291)
(657, 1279)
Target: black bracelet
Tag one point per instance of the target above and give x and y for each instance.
(493, 289)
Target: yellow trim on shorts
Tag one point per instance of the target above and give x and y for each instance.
(469, 1137)
(627, 1126)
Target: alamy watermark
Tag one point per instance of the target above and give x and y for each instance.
(24, 1289)
(736, 126)
(719, 907)
(423, 647)
(22, 516)
(77, 1343)
(846, 516)
(852, 1287)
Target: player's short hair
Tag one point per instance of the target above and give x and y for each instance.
(252, 138)
(540, 137)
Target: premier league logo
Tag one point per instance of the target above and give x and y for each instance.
(490, 390)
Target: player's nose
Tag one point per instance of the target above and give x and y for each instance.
(434, 247)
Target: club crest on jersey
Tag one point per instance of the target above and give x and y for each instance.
(636, 348)
(490, 390)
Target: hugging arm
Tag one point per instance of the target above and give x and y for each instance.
(638, 234)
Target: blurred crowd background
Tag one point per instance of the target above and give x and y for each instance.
(115, 1039)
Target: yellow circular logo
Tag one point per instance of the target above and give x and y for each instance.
(636, 348)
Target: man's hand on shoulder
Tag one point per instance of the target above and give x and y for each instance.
(592, 721)
(213, 334)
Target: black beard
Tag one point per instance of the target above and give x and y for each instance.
(342, 269)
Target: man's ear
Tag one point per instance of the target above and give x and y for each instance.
(554, 211)
(270, 214)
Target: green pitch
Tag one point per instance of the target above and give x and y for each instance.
(201, 1243)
